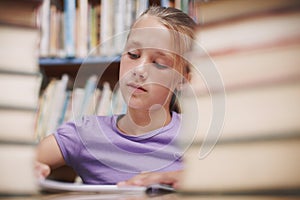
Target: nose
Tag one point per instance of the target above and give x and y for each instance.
(140, 72)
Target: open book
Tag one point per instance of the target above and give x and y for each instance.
(56, 186)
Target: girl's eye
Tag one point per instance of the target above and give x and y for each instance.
(160, 66)
(133, 55)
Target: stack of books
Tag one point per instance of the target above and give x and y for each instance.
(242, 125)
(20, 82)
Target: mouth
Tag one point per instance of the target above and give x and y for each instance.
(137, 88)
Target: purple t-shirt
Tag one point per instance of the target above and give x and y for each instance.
(101, 154)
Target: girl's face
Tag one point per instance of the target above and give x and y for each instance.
(147, 73)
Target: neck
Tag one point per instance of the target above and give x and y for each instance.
(137, 122)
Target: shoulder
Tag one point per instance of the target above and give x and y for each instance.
(86, 123)
(73, 136)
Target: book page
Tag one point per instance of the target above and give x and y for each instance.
(56, 186)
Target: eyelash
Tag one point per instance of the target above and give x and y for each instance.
(159, 66)
(136, 56)
(133, 55)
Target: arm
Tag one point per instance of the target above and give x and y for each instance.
(49, 156)
(48, 152)
(148, 178)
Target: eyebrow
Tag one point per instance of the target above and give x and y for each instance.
(137, 45)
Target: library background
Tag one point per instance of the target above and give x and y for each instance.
(60, 60)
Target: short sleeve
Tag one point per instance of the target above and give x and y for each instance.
(68, 142)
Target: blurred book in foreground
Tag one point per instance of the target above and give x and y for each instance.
(20, 82)
(242, 128)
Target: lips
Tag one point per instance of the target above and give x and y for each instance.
(137, 87)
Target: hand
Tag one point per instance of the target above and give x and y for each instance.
(42, 170)
(148, 178)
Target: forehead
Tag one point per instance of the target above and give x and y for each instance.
(148, 32)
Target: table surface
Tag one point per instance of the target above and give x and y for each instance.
(141, 196)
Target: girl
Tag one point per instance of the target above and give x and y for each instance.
(113, 149)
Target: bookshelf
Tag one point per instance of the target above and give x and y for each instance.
(70, 30)
(54, 61)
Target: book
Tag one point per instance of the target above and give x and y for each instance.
(221, 10)
(76, 104)
(249, 32)
(249, 167)
(84, 100)
(104, 107)
(251, 113)
(13, 57)
(19, 12)
(57, 104)
(55, 16)
(20, 90)
(106, 30)
(23, 131)
(56, 186)
(141, 6)
(88, 99)
(52, 107)
(120, 29)
(17, 169)
(255, 67)
(94, 28)
(118, 105)
(82, 33)
(44, 110)
(69, 27)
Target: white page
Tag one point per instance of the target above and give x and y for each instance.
(56, 186)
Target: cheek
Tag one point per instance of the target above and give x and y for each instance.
(168, 79)
(164, 96)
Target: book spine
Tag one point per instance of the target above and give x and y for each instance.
(45, 28)
(57, 104)
(141, 6)
(104, 107)
(82, 47)
(119, 23)
(88, 94)
(70, 17)
(165, 3)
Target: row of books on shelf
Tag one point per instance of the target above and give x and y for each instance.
(83, 28)
(73, 28)
(59, 105)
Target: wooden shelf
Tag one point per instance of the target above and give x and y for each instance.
(107, 67)
(77, 61)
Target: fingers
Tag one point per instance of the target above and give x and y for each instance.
(148, 178)
(42, 170)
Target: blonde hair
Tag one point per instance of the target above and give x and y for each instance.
(177, 21)
(182, 28)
